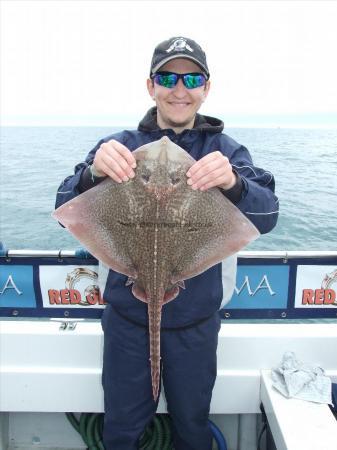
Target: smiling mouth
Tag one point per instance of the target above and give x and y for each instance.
(179, 104)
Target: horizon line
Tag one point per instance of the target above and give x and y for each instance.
(126, 126)
(323, 120)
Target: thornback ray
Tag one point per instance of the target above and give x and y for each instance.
(157, 230)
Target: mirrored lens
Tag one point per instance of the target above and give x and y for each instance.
(166, 80)
(194, 80)
(170, 79)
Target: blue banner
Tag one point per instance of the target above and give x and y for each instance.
(260, 287)
(16, 287)
(274, 287)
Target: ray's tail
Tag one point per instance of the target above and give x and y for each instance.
(154, 312)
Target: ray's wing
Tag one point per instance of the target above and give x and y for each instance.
(93, 219)
(216, 229)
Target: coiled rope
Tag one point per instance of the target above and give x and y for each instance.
(157, 435)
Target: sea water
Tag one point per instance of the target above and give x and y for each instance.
(34, 161)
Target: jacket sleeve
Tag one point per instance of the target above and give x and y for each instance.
(258, 200)
(70, 187)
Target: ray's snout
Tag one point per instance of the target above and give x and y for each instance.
(156, 177)
(159, 192)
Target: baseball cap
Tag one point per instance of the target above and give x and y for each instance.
(178, 47)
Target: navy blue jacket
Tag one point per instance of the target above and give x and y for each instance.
(203, 293)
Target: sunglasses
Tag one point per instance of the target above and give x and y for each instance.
(170, 79)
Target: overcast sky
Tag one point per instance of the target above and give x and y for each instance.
(86, 62)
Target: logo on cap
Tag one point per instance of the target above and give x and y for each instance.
(179, 45)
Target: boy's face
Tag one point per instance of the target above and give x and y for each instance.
(177, 106)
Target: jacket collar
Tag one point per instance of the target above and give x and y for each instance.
(207, 123)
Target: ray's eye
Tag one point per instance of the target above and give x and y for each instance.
(146, 177)
(175, 179)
